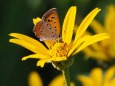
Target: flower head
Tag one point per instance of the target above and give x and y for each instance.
(105, 50)
(60, 53)
(98, 78)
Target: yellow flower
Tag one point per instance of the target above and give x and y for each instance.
(97, 78)
(61, 52)
(34, 79)
(105, 50)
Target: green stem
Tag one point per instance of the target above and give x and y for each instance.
(66, 76)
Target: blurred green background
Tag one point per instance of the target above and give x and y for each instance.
(16, 16)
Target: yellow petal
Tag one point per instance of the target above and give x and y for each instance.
(43, 61)
(28, 42)
(36, 20)
(93, 39)
(28, 39)
(96, 47)
(110, 74)
(59, 81)
(49, 43)
(36, 56)
(86, 81)
(96, 51)
(77, 44)
(97, 76)
(64, 24)
(85, 23)
(89, 53)
(110, 18)
(112, 83)
(112, 49)
(59, 58)
(68, 25)
(34, 79)
(109, 23)
(97, 27)
(27, 45)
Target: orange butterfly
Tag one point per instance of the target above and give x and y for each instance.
(49, 27)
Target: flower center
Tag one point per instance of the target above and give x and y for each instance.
(60, 50)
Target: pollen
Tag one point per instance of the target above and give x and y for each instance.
(60, 50)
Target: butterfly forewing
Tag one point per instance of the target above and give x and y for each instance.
(51, 17)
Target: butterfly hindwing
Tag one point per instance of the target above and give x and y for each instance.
(45, 34)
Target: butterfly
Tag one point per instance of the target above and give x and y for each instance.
(49, 26)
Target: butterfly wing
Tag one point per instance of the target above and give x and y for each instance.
(49, 27)
(51, 17)
(45, 31)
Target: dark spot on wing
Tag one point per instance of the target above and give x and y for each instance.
(48, 20)
(54, 22)
(52, 17)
